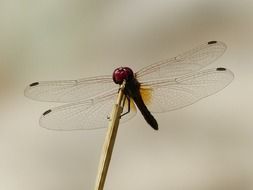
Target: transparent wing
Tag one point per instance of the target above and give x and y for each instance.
(88, 114)
(171, 94)
(187, 62)
(69, 90)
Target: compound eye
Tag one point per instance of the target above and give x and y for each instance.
(122, 73)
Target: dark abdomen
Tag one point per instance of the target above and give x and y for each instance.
(132, 90)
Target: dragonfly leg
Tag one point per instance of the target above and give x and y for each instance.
(124, 100)
(128, 106)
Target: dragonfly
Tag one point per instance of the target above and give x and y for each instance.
(164, 86)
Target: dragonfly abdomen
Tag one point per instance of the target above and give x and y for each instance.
(132, 90)
(145, 112)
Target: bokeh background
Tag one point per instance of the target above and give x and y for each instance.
(206, 146)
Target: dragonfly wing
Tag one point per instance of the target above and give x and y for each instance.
(184, 63)
(69, 90)
(172, 94)
(88, 114)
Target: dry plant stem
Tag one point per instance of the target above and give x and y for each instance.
(109, 140)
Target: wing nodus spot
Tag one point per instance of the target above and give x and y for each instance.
(221, 69)
(34, 84)
(46, 112)
(212, 42)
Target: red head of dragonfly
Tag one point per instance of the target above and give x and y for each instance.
(122, 73)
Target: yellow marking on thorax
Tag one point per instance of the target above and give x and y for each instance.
(146, 94)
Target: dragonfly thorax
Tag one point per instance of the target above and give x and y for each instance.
(122, 73)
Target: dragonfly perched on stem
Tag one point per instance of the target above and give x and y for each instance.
(161, 87)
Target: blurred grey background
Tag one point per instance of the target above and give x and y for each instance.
(206, 146)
